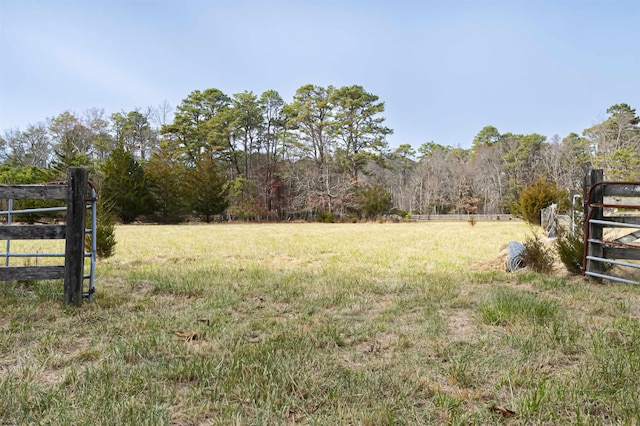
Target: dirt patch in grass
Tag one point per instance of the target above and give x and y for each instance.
(461, 324)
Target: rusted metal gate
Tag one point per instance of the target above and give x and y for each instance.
(611, 206)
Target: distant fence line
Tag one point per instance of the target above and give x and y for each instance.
(482, 217)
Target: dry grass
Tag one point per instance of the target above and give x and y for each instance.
(320, 324)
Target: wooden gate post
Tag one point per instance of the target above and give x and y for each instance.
(74, 245)
(593, 231)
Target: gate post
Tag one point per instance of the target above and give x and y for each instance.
(593, 231)
(74, 244)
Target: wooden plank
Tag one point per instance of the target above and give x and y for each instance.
(32, 232)
(13, 273)
(74, 245)
(631, 189)
(24, 192)
(622, 253)
(623, 203)
(629, 238)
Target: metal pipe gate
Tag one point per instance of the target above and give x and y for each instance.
(599, 252)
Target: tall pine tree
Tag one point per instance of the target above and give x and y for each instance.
(125, 186)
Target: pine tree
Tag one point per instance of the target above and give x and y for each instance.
(166, 178)
(208, 190)
(125, 186)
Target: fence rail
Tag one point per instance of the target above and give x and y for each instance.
(481, 217)
(34, 192)
(74, 191)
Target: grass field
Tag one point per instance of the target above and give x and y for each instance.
(320, 324)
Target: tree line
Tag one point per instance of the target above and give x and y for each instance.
(322, 155)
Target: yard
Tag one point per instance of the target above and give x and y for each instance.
(411, 323)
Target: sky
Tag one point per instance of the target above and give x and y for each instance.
(444, 69)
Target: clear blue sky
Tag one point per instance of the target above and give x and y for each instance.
(444, 69)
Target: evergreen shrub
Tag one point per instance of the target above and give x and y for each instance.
(570, 247)
(537, 255)
(536, 197)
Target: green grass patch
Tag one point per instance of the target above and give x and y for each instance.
(512, 306)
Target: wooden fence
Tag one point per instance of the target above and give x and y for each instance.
(610, 205)
(462, 216)
(73, 232)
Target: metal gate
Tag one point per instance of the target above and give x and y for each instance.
(611, 205)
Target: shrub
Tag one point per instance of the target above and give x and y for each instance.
(105, 239)
(105, 230)
(536, 255)
(570, 249)
(244, 200)
(374, 201)
(325, 217)
(536, 197)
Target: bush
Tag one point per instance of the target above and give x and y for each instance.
(105, 239)
(374, 201)
(570, 248)
(536, 255)
(105, 230)
(325, 217)
(242, 198)
(536, 197)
